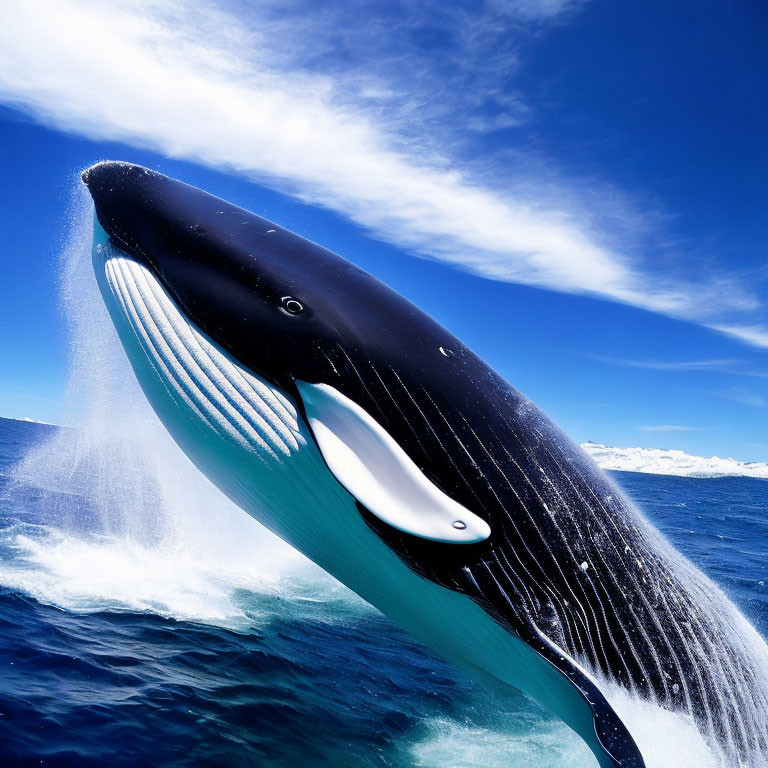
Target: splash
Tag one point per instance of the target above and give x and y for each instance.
(546, 744)
(128, 522)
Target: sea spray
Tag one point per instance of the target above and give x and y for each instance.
(128, 521)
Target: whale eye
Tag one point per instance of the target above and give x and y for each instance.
(291, 306)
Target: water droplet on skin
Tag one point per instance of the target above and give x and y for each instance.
(459, 525)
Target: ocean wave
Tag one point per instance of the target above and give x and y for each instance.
(527, 736)
(449, 743)
(92, 574)
(660, 461)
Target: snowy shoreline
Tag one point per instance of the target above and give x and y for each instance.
(660, 461)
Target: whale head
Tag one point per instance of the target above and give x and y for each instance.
(279, 304)
(292, 314)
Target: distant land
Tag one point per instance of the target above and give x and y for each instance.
(30, 421)
(660, 461)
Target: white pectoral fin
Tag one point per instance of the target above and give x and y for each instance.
(371, 465)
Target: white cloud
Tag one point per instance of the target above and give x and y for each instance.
(671, 365)
(756, 335)
(193, 82)
(541, 9)
(742, 395)
(717, 365)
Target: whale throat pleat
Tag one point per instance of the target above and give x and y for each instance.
(226, 397)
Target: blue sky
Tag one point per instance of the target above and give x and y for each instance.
(576, 189)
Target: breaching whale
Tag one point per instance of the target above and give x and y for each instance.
(371, 439)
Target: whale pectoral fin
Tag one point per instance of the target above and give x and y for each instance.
(373, 467)
(614, 746)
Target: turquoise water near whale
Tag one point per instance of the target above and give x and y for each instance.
(145, 621)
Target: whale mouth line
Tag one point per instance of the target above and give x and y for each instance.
(195, 371)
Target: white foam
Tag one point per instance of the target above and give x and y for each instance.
(664, 738)
(529, 737)
(130, 523)
(544, 744)
(112, 574)
(660, 461)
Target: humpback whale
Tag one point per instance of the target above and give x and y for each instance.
(370, 438)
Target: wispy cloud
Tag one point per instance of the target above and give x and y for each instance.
(224, 87)
(742, 395)
(755, 335)
(720, 365)
(669, 428)
(539, 9)
(670, 365)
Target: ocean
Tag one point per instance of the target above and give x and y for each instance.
(147, 622)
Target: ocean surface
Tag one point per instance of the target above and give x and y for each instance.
(144, 624)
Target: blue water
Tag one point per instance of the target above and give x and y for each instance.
(118, 650)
